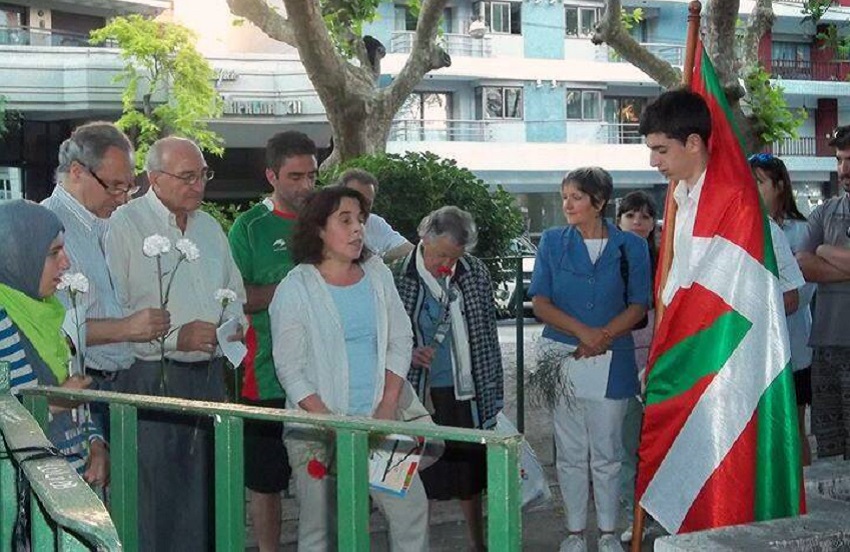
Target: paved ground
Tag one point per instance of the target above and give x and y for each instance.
(543, 528)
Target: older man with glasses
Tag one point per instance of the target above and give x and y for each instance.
(825, 259)
(175, 463)
(94, 177)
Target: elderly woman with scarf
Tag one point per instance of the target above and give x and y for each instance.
(31, 337)
(457, 363)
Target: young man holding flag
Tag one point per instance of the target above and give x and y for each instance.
(719, 444)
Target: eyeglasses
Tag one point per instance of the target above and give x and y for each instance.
(112, 190)
(192, 178)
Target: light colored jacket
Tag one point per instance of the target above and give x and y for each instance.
(308, 342)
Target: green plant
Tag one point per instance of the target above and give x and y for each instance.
(415, 184)
(224, 213)
(631, 18)
(773, 120)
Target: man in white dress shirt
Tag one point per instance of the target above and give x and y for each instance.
(381, 238)
(174, 459)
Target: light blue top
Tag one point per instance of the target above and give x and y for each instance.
(799, 323)
(356, 308)
(594, 293)
(441, 365)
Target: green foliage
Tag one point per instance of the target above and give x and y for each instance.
(415, 184)
(631, 18)
(224, 213)
(832, 38)
(9, 119)
(160, 59)
(814, 10)
(345, 19)
(774, 120)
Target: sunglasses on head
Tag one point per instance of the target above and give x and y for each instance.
(762, 158)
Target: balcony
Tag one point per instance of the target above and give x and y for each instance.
(674, 54)
(451, 130)
(810, 70)
(460, 45)
(33, 36)
(619, 133)
(807, 146)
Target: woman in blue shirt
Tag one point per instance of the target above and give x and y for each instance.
(590, 286)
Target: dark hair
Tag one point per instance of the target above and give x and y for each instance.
(364, 177)
(284, 145)
(307, 244)
(840, 137)
(677, 114)
(641, 201)
(776, 170)
(595, 182)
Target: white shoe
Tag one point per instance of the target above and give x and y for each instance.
(608, 543)
(626, 535)
(573, 543)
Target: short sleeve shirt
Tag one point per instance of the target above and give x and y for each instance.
(259, 240)
(381, 237)
(828, 224)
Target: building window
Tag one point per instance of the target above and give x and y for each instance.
(584, 105)
(498, 102)
(580, 21)
(500, 17)
(404, 18)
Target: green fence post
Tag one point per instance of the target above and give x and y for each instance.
(8, 481)
(229, 484)
(37, 405)
(520, 348)
(352, 464)
(124, 460)
(42, 534)
(504, 518)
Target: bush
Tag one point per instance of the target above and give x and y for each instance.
(414, 184)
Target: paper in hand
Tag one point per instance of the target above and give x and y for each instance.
(234, 351)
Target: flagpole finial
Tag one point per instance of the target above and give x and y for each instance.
(694, 7)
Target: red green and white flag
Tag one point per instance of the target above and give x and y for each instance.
(719, 443)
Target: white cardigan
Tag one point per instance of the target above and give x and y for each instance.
(308, 343)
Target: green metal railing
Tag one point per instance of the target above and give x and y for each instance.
(352, 441)
(65, 514)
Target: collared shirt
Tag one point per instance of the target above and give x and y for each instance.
(192, 293)
(680, 274)
(84, 237)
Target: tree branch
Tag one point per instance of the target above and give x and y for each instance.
(761, 21)
(610, 31)
(721, 20)
(425, 55)
(265, 17)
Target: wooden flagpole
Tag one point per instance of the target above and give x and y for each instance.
(666, 256)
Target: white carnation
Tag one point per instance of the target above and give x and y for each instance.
(188, 249)
(156, 245)
(225, 296)
(74, 282)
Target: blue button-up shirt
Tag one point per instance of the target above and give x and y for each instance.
(594, 293)
(84, 235)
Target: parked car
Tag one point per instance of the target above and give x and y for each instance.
(507, 290)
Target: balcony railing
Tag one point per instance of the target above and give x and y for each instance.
(455, 44)
(810, 70)
(445, 130)
(34, 36)
(674, 54)
(619, 133)
(807, 146)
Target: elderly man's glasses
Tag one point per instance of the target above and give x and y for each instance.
(192, 178)
(112, 190)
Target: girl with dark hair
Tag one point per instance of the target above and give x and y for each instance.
(775, 188)
(636, 213)
(341, 343)
(590, 286)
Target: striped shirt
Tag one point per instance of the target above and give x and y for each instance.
(66, 434)
(84, 238)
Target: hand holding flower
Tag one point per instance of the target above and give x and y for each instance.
(197, 336)
(423, 356)
(147, 324)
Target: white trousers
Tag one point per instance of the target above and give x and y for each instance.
(589, 429)
(317, 526)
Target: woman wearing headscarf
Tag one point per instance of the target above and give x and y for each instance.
(31, 338)
(457, 362)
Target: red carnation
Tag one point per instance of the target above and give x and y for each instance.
(444, 271)
(316, 469)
